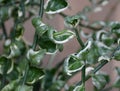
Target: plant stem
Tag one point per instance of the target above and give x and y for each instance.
(41, 11)
(99, 66)
(79, 39)
(83, 46)
(4, 30)
(25, 75)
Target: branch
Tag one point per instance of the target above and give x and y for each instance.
(4, 30)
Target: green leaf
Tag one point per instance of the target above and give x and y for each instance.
(6, 65)
(99, 80)
(4, 15)
(24, 88)
(61, 36)
(72, 64)
(46, 43)
(71, 21)
(34, 74)
(40, 27)
(117, 83)
(115, 28)
(11, 86)
(35, 57)
(117, 55)
(19, 31)
(55, 6)
(79, 88)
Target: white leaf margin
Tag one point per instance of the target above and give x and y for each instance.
(66, 63)
(61, 42)
(54, 12)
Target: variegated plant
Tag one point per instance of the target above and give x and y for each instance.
(20, 62)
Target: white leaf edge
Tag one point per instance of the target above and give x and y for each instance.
(101, 58)
(66, 63)
(89, 44)
(64, 41)
(77, 87)
(54, 12)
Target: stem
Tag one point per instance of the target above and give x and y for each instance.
(22, 8)
(82, 45)
(35, 41)
(4, 30)
(41, 11)
(25, 75)
(99, 66)
(79, 39)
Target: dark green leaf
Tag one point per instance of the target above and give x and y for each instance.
(34, 74)
(6, 65)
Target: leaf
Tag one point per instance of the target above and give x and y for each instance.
(4, 14)
(117, 83)
(40, 27)
(34, 74)
(23, 88)
(79, 88)
(72, 64)
(55, 6)
(99, 80)
(115, 28)
(117, 55)
(11, 86)
(72, 21)
(6, 65)
(46, 43)
(35, 57)
(61, 36)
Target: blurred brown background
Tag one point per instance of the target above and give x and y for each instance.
(110, 12)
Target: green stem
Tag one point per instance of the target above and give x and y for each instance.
(83, 46)
(41, 10)
(35, 41)
(4, 30)
(99, 66)
(22, 8)
(26, 73)
(79, 39)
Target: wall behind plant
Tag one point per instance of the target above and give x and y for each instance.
(109, 12)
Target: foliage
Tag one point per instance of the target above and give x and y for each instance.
(20, 62)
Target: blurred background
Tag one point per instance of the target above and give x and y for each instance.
(109, 12)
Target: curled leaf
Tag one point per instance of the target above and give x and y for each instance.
(55, 6)
(61, 36)
(6, 65)
(72, 64)
(34, 74)
(35, 57)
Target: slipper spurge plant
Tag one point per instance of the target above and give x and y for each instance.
(20, 62)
